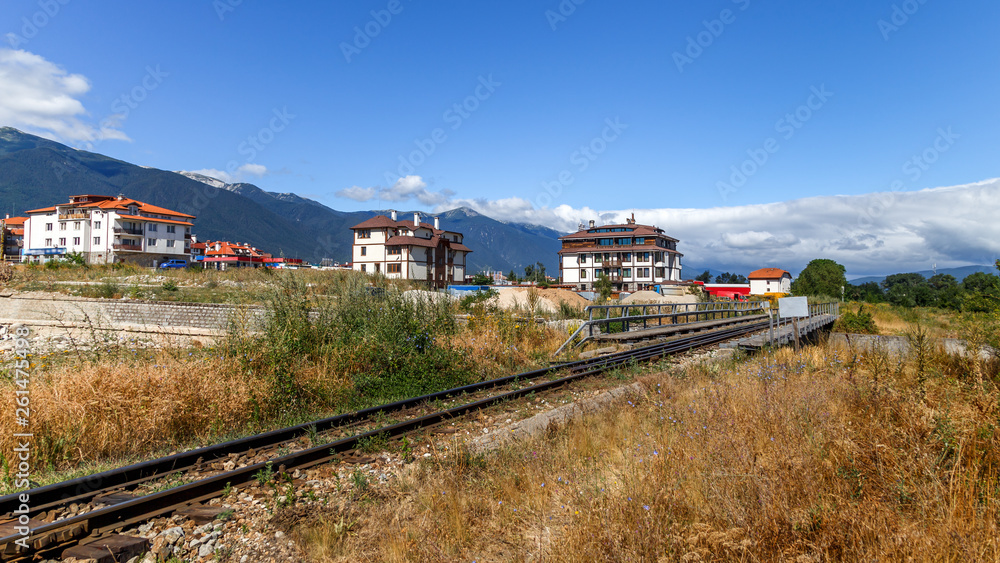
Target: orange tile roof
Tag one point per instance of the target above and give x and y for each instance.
(155, 220)
(768, 274)
(118, 204)
(14, 221)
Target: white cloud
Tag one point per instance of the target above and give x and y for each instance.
(405, 189)
(869, 234)
(242, 174)
(39, 97)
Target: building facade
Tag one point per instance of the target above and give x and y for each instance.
(632, 256)
(12, 231)
(770, 280)
(223, 255)
(409, 250)
(106, 230)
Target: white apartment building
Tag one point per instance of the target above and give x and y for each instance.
(106, 230)
(409, 250)
(632, 256)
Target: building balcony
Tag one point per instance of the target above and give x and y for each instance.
(124, 231)
(126, 246)
(69, 216)
(187, 236)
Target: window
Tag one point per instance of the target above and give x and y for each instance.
(76, 240)
(62, 226)
(640, 240)
(583, 274)
(62, 242)
(364, 251)
(151, 227)
(48, 226)
(97, 240)
(378, 267)
(363, 267)
(623, 241)
(582, 259)
(170, 243)
(392, 268)
(605, 241)
(626, 257)
(393, 250)
(76, 225)
(643, 256)
(171, 229)
(597, 258)
(364, 233)
(97, 224)
(659, 272)
(151, 242)
(48, 242)
(626, 272)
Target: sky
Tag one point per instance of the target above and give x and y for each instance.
(757, 133)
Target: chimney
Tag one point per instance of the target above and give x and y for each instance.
(591, 223)
(416, 219)
(437, 223)
(392, 214)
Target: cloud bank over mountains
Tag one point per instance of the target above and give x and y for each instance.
(870, 234)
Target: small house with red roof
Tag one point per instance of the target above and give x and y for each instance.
(410, 250)
(632, 256)
(12, 231)
(770, 280)
(222, 255)
(108, 229)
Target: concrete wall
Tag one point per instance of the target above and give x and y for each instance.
(54, 310)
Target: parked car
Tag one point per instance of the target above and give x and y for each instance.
(174, 264)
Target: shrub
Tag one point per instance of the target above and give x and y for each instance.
(857, 323)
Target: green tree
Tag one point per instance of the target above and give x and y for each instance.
(512, 277)
(820, 277)
(481, 279)
(982, 293)
(535, 273)
(602, 285)
(704, 277)
(730, 278)
(868, 292)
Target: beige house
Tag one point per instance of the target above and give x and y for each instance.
(409, 250)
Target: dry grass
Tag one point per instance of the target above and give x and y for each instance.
(895, 320)
(785, 458)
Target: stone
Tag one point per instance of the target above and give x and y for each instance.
(206, 549)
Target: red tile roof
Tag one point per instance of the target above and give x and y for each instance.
(15, 221)
(768, 274)
(117, 204)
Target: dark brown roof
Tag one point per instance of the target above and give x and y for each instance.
(381, 221)
(432, 242)
(633, 248)
(632, 230)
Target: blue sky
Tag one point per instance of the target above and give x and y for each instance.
(487, 103)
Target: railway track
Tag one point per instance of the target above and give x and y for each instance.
(112, 504)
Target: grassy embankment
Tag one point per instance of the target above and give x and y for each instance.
(329, 345)
(828, 454)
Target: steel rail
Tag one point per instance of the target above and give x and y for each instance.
(142, 508)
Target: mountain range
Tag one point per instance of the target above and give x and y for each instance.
(959, 273)
(36, 172)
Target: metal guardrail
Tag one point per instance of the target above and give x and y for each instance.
(815, 310)
(605, 314)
